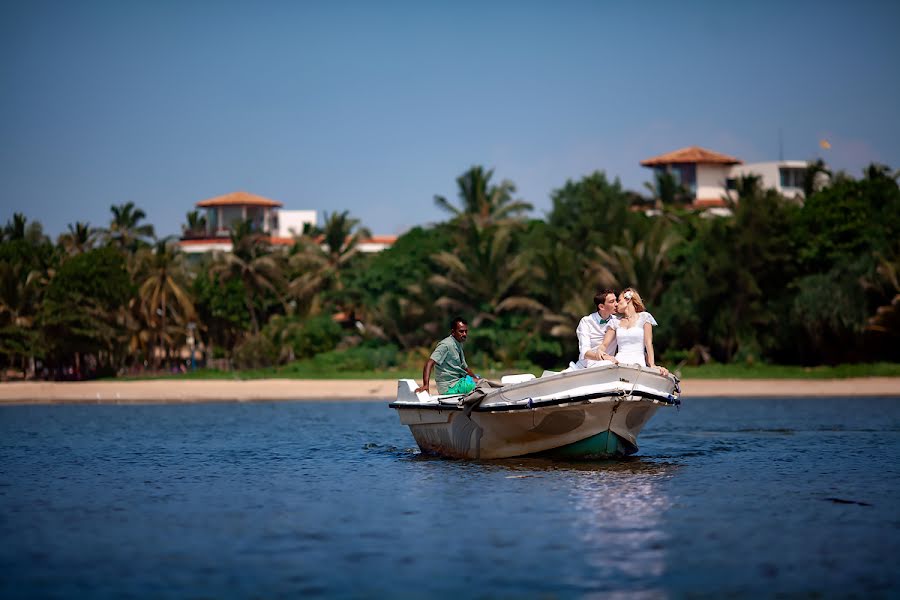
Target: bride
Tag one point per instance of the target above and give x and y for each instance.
(633, 333)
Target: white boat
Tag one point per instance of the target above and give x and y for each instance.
(595, 412)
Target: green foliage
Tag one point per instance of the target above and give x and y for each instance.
(220, 306)
(255, 351)
(776, 281)
(593, 212)
(359, 358)
(82, 309)
(407, 262)
(303, 339)
(99, 275)
(320, 260)
(483, 204)
(731, 278)
(125, 230)
(513, 342)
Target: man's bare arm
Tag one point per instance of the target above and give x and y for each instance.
(426, 375)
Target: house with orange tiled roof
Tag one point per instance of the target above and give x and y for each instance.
(265, 216)
(709, 176)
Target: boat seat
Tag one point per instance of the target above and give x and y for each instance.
(519, 378)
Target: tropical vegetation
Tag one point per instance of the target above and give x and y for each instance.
(775, 282)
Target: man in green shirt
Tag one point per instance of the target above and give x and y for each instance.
(452, 374)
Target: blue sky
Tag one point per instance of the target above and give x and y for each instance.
(375, 107)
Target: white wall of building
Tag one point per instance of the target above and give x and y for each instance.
(711, 180)
(291, 222)
(770, 173)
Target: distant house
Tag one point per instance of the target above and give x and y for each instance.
(709, 176)
(265, 216)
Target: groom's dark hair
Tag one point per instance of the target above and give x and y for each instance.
(600, 296)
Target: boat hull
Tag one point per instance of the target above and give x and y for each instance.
(592, 429)
(585, 416)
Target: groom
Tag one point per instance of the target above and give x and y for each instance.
(592, 329)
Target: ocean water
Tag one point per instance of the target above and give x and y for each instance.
(727, 497)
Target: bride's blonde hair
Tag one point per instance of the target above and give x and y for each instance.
(635, 299)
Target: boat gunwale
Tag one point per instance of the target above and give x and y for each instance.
(655, 398)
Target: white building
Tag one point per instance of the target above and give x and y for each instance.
(709, 176)
(292, 222)
(784, 176)
(265, 215)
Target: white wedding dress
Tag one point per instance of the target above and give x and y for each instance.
(631, 340)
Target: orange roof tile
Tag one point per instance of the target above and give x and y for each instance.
(381, 239)
(387, 240)
(238, 198)
(692, 154)
(708, 202)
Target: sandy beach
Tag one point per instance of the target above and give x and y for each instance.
(174, 391)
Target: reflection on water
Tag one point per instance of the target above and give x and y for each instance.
(619, 514)
(612, 513)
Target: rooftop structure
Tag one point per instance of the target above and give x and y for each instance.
(691, 155)
(265, 216)
(709, 176)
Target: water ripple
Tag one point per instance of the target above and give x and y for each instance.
(725, 498)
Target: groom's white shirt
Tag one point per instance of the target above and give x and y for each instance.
(590, 332)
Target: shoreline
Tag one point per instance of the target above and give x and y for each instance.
(167, 391)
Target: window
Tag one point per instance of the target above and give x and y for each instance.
(684, 175)
(255, 216)
(689, 177)
(231, 215)
(791, 177)
(731, 184)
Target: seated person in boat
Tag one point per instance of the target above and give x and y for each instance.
(632, 332)
(591, 329)
(452, 374)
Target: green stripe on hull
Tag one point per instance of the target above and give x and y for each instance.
(601, 445)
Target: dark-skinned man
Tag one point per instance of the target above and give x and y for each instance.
(452, 374)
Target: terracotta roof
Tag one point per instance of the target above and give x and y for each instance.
(692, 154)
(381, 239)
(239, 199)
(387, 240)
(708, 202)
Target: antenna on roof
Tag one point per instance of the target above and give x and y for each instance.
(780, 146)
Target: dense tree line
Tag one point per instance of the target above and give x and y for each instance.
(777, 281)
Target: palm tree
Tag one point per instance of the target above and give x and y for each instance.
(815, 177)
(878, 172)
(253, 264)
(642, 263)
(886, 282)
(406, 318)
(666, 191)
(322, 254)
(19, 229)
(125, 230)
(559, 283)
(20, 298)
(485, 204)
(79, 238)
(485, 277)
(195, 226)
(162, 292)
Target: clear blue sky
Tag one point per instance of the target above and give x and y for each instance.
(375, 107)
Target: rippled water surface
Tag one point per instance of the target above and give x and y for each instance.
(266, 500)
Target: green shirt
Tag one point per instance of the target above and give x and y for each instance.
(450, 363)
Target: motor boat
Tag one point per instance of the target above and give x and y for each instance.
(584, 413)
